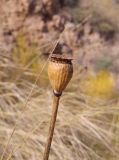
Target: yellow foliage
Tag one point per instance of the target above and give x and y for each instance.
(100, 85)
(27, 56)
(23, 53)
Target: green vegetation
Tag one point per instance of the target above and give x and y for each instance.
(103, 14)
(103, 63)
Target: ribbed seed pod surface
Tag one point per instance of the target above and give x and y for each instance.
(60, 72)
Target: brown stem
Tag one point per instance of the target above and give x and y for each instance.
(51, 128)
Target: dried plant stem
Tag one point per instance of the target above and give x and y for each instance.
(51, 128)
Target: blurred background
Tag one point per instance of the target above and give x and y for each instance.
(87, 126)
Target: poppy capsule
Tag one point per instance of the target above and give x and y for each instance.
(60, 71)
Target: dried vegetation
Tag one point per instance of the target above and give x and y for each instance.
(84, 130)
(88, 124)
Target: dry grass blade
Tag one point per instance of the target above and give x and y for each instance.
(25, 106)
(78, 139)
(84, 130)
(30, 94)
(24, 141)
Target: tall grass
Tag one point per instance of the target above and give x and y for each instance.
(84, 130)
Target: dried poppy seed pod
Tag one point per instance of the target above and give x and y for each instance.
(60, 71)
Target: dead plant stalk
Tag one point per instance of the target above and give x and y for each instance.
(60, 72)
